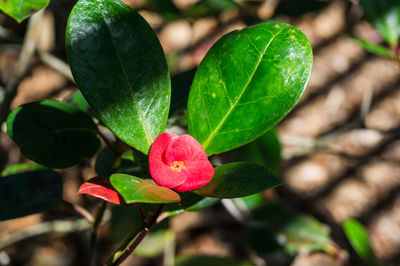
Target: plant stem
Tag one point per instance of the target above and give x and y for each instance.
(132, 242)
(93, 238)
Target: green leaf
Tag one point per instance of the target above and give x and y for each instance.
(236, 180)
(104, 165)
(190, 202)
(76, 99)
(53, 134)
(134, 189)
(124, 219)
(359, 240)
(374, 48)
(20, 168)
(248, 81)
(185, 260)
(22, 9)
(385, 16)
(120, 68)
(30, 192)
(204, 203)
(273, 226)
(266, 150)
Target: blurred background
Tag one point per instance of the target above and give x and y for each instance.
(338, 152)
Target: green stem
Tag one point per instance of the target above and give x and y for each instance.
(129, 245)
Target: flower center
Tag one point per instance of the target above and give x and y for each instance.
(177, 166)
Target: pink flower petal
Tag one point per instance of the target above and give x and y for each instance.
(200, 174)
(186, 149)
(159, 146)
(162, 173)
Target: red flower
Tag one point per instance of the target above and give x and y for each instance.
(179, 162)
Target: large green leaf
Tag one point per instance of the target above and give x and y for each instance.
(120, 68)
(30, 192)
(248, 81)
(53, 134)
(385, 16)
(359, 240)
(134, 189)
(236, 180)
(22, 9)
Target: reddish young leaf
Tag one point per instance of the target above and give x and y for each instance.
(179, 162)
(100, 187)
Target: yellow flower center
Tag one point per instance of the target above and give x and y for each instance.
(177, 166)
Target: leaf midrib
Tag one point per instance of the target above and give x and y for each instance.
(141, 117)
(214, 132)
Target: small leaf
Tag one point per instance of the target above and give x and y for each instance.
(186, 260)
(359, 240)
(100, 187)
(134, 189)
(385, 16)
(53, 134)
(190, 202)
(248, 81)
(374, 48)
(273, 226)
(29, 192)
(236, 180)
(20, 168)
(203, 204)
(120, 68)
(22, 9)
(76, 99)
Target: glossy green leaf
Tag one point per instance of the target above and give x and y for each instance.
(236, 180)
(53, 134)
(266, 150)
(186, 260)
(22, 9)
(358, 237)
(134, 189)
(248, 81)
(20, 168)
(374, 48)
(30, 192)
(120, 68)
(385, 16)
(273, 226)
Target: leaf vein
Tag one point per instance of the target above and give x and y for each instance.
(214, 132)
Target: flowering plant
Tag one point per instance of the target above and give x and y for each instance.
(248, 81)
